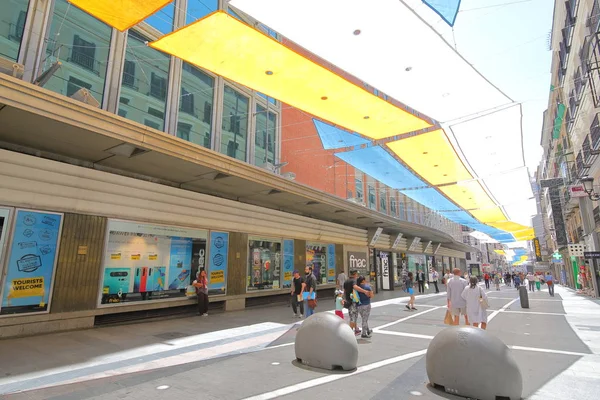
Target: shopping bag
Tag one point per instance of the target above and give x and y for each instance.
(309, 295)
(312, 303)
(190, 291)
(448, 318)
(426, 286)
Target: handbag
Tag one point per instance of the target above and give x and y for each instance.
(312, 303)
(448, 318)
(483, 302)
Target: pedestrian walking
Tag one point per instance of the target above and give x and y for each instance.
(339, 303)
(421, 281)
(310, 291)
(538, 284)
(411, 292)
(352, 300)
(517, 281)
(476, 304)
(531, 281)
(434, 277)
(298, 286)
(486, 278)
(456, 304)
(550, 282)
(364, 308)
(497, 281)
(201, 285)
(341, 278)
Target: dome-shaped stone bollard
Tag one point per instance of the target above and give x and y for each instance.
(325, 341)
(473, 363)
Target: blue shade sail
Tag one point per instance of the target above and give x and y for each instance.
(336, 138)
(447, 9)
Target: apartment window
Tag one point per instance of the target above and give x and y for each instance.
(197, 9)
(81, 40)
(163, 19)
(234, 125)
(144, 82)
(265, 136)
(359, 189)
(152, 124)
(393, 210)
(183, 130)
(264, 96)
(383, 201)
(401, 210)
(196, 105)
(372, 197)
(12, 24)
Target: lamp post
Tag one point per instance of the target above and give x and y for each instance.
(589, 226)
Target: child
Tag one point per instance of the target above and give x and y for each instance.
(339, 303)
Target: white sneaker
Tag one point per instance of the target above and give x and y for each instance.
(301, 316)
(205, 315)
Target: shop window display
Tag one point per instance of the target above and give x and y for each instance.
(150, 262)
(321, 257)
(417, 262)
(264, 264)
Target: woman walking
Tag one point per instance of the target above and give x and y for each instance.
(476, 304)
(411, 292)
(537, 282)
(364, 309)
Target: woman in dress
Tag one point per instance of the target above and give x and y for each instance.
(474, 295)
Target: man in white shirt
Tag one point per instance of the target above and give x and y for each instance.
(456, 304)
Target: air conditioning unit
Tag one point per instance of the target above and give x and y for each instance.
(357, 201)
(11, 68)
(86, 97)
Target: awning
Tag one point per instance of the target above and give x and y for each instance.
(121, 14)
(228, 47)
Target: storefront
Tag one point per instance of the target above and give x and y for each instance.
(270, 264)
(321, 257)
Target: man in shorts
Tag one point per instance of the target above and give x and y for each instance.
(349, 286)
(456, 304)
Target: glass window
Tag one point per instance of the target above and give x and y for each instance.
(163, 19)
(265, 136)
(31, 261)
(359, 189)
(383, 201)
(401, 209)
(393, 210)
(416, 263)
(195, 106)
(321, 257)
(150, 262)
(263, 96)
(81, 43)
(12, 24)
(234, 126)
(144, 83)
(372, 200)
(264, 263)
(197, 9)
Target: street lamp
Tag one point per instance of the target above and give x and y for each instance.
(588, 186)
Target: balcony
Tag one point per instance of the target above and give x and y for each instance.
(589, 155)
(85, 61)
(582, 167)
(594, 18)
(595, 133)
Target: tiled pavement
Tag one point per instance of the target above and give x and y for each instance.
(249, 354)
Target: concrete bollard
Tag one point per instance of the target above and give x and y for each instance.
(524, 297)
(325, 341)
(473, 363)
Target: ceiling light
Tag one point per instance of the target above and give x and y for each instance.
(356, 32)
(408, 69)
(324, 98)
(269, 72)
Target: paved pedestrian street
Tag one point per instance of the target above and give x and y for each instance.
(250, 354)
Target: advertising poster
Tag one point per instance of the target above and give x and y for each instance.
(31, 262)
(180, 263)
(288, 263)
(385, 270)
(330, 263)
(217, 267)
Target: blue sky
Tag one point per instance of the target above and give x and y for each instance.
(508, 44)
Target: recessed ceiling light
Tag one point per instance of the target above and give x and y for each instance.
(408, 69)
(425, 152)
(324, 98)
(366, 117)
(435, 165)
(446, 95)
(356, 32)
(269, 72)
(445, 174)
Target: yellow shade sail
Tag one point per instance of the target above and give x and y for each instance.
(120, 14)
(228, 47)
(432, 156)
(489, 215)
(501, 252)
(470, 196)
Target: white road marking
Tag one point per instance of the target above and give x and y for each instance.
(530, 312)
(539, 350)
(332, 378)
(404, 334)
(407, 318)
(495, 313)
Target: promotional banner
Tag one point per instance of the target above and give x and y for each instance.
(288, 263)
(217, 267)
(537, 249)
(180, 263)
(31, 262)
(385, 270)
(330, 263)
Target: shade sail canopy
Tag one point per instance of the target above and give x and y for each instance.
(447, 9)
(388, 46)
(333, 137)
(120, 14)
(501, 252)
(226, 46)
(432, 156)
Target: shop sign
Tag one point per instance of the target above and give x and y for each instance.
(397, 241)
(537, 249)
(31, 262)
(358, 261)
(288, 263)
(436, 248)
(414, 243)
(376, 236)
(577, 191)
(217, 266)
(385, 270)
(591, 254)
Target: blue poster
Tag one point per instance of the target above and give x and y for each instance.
(217, 264)
(31, 262)
(331, 263)
(288, 263)
(180, 263)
